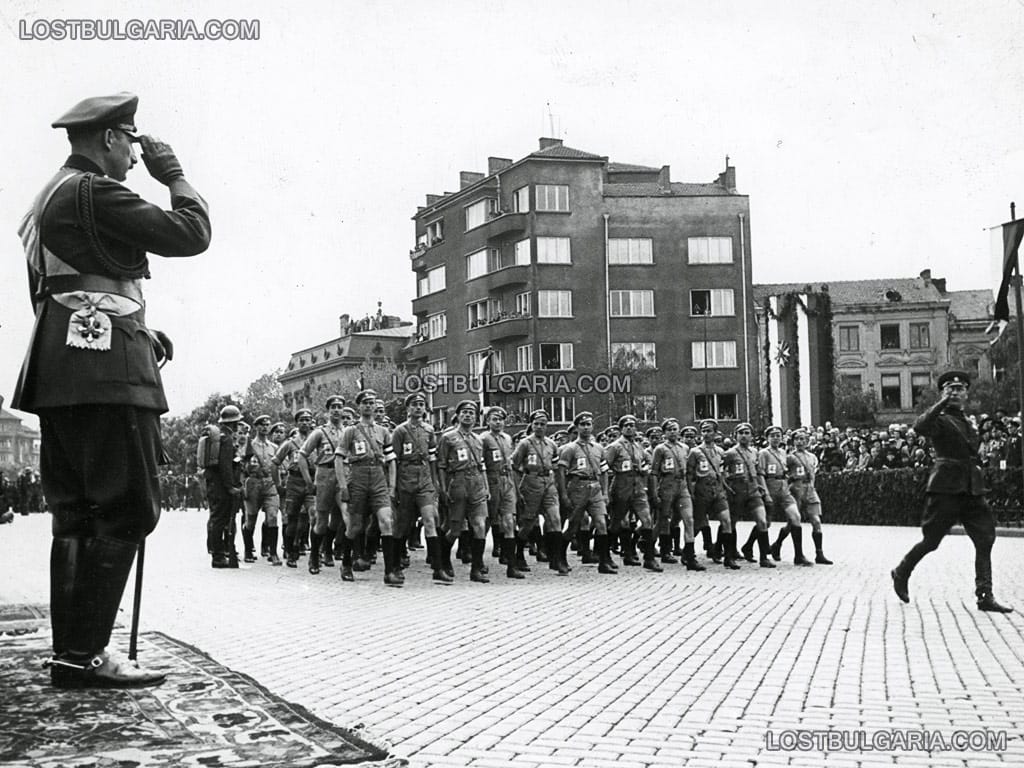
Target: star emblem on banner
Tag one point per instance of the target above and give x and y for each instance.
(782, 354)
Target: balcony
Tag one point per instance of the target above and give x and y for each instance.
(505, 277)
(503, 224)
(506, 325)
(418, 253)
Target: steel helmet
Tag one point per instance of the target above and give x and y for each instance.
(229, 414)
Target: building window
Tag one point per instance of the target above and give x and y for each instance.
(709, 250)
(482, 312)
(919, 382)
(849, 338)
(852, 380)
(437, 367)
(632, 303)
(714, 406)
(630, 250)
(477, 213)
(431, 282)
(477, 359)
(553, 250)
(890, 336)
(559, 408)
(525, 407)
(521, 200)
(523, 303)
(891, 395)
(634, 354)
(435, 232)
(482, 262)
(437, 325)
(556, 357)
(524, 357)
(714, 354)
(644, 407)
(552, 197)
(523, 253)
(554, 303)
(721, 301)
(920, 336)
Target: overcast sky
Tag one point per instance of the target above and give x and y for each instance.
(874, 139)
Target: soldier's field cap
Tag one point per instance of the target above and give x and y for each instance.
(412, 397)
(334, 399)
(707, 422)
(366, 393)
(581, 416)
(494, 410)
(773, 428)
(262, 418)
(800, 432)
(689, 431)
(278, 425)
(628, 418)
(464, 404)
(954, 377)
(667, 423)
(538, 414)
(117, 111)
(652, 431)
(303, 412)
(743, 425)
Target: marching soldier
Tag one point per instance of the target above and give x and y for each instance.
(300, 492)
(802, 465)
(534, 463)
(672, 495)
(501, 506)
(772, 464)
(460, 469)
(747, 492)
(707, 489)
(628, 493)
(261, 491)
(321, 446)
(364, 464)
(224, 489)
(583, 486)
(414, 445)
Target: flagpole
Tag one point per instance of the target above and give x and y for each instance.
(1020, 334)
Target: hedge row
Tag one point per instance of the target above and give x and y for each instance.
(896, 496)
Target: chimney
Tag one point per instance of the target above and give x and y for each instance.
(664, 179)
(343, 321)
(431, 199)
(548, 143)
(468, 178)
(940, 284)
(926, 275)
(727, 178)
(495, 164)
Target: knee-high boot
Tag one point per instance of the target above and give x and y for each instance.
(64, 564)
(103, 572)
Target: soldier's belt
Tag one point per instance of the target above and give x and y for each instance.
(466, 471)
(498, 472)
(629, 473)
(676, 475)
(583, 478)
(538, 473)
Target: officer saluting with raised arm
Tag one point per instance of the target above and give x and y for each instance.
(91, 372)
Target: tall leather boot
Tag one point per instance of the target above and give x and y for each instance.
(677, 534)
(291, 556)
(496, 538)
(717, 549)
(650, 561)
(64, 563)
(271, 540)
(561, 544)
(391, 578)
(446, 554)
(415, 530)
(103, 572)
(665, 544)
(798, 546)
(247, 541)
(361, 562)
(264, 541)
(748, 547)
(315, 540)
(626, 547)
(402, 553)
(604, 554)
(690, 558)
(543, 556)
(508, 550)
(434, 544)
(327, 549)
(777, 546)
(705, 535)
(373, 543)
(819, 555)
(521, 565)
(346, 559)
(465, 550)
(765, 546)
(728, 547)
(476, 572)
(229, 544)
(587, 557)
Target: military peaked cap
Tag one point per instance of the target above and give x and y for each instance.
(117, 111)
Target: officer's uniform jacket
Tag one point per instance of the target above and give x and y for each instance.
(497, 454)
(704, 466)
(86, 240)
(363, 444)
(259, 458)
(802, 467)
(956, 442)
(741, 470)
(583, 460)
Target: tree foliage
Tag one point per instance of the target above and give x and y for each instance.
(853, 406)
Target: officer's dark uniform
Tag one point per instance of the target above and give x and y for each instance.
(955, 493)
(91, 372)
(223, 490)
(299, 499)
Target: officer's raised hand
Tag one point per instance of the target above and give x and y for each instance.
(160, 160)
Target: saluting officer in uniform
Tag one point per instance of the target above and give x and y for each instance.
(300, 492)
(501, 506)
(583, 486)
(365, 466)
(320, 446)
(414, 445)
(534, 463)
(261, 490)
(628, 493)
(707, 488)
(672, 494)
(955, 491)
(772, 463)
(747, 492)
(91, 372)
(460, 469)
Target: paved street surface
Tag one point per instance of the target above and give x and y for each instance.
(635, 670)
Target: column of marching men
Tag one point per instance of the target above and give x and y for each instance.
(358, 484)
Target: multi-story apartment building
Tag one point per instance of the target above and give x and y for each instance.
(19, 445)
(563, 266)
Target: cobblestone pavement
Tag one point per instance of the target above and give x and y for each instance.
(640, 669)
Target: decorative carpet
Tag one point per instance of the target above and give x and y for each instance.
(203, 716)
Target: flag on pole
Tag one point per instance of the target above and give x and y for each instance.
(1012, 232)
(485, 368)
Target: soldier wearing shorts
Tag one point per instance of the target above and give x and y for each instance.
(534, 464)
(802, 465)
(300, 492)
(772, 462)
(260, 491)
(583, 486)
(501, 507)
(672, 495)
(628, 493)
(707, 489)
(747, 492)
(320, 447)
